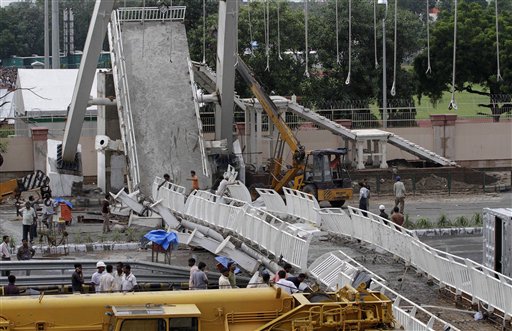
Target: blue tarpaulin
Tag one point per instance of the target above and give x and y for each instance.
(162, 238)
(59, 200)
(225, 261)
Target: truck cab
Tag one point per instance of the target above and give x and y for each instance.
(326, 177)
(180, 317)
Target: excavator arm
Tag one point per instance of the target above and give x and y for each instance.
(287, 135)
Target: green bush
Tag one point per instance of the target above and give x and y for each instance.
(423, 223)
(477, 220)
(461, 221)
(407, 222)
(443, 221)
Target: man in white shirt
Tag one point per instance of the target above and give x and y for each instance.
(107, 280)
(193, 268)
(95, 279)
(224, 279)
(130, 282)
(4, 252)
(399, 191)
(28, 213)
(286, 285)
(119, 277)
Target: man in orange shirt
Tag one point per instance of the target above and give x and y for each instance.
(194, 179)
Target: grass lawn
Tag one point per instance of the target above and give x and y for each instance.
(467, 105)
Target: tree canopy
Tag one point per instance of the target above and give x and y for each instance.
(476, 57)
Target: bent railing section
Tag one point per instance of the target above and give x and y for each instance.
(123, 100)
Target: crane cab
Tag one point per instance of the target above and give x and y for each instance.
(326, 177)
(179, 317)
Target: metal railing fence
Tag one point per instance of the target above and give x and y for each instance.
(162, 13)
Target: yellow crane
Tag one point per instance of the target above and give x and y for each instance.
(321, 174)
(235, 309)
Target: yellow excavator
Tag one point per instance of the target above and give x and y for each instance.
(320, 172)
(203, 310)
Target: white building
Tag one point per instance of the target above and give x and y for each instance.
(42, 98)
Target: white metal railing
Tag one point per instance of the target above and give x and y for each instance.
(302, 205)
(336, 269)
(162, 13)
(204, 157)
(273, 202)
(123, 99)
(465, 276)
(253, 224)
(172, 195)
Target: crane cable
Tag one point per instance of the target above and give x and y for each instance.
(337, 36)
(143, 26)
(204, 31)
(278, 34)
(250, 25)
(306, 73)
(393, 87)
(498, 73)
(347, 81)
(429, 69)
(453, 105)
(267, 37)
(375, 32)
(170, 33)
(235, 53)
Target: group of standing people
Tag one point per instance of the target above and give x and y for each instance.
(399, 192)
(105, 279)
(199, 280)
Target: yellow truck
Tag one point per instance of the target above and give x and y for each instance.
(235, 309)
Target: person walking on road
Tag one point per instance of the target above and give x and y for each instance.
(364, 194)
(105, 212)
(6, 255)
(399, 191)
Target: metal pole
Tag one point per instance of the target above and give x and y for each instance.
(46, 37)
(55, 35)
(384, 83)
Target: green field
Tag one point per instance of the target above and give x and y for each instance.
(467, 105)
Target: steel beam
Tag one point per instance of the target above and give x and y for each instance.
(85, 78)
(226, 72)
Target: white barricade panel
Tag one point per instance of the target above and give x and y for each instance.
(274, 204)
(240, 192)
(335, 220)
(302, 205)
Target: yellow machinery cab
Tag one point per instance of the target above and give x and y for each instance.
(179, 317)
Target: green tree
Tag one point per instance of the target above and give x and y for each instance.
(476, 64)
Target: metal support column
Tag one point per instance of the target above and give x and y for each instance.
(85, 78)
(226, 72)
(55, 36)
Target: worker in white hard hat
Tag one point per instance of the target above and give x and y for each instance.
(95, 279)
(383, 214)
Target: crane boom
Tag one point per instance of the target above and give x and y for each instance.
(286, 134)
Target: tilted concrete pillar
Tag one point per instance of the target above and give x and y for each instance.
(39, 147)
(444, 134)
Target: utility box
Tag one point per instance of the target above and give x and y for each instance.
(498, 239)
